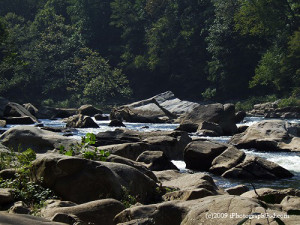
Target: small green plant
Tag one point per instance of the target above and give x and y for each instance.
(286, 102)
(127, 199)
(83, 149)
(23, 188)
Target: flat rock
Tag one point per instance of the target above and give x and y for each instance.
(98, 212)
(199, 154)
(32, 137)
(237, 190)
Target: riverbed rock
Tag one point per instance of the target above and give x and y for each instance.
(116, 123)
(272, 196)
(226, 160)
(98, 212)
(291, 204)
(137, 165)
(13, 109)
(164, 107)
(31, 108)
(237, 190)
(2, 123)
(88, 110)
(185, 195)
(253, 167)
(81, 180)
(101, 117)
(188, 127)
(223, 115)
(40, 141)
(239, 116)
(156, 161)
(21, 219)
(6, 196)
(199, 154)
(211, 210)
(46, 112)
(80, 121)
(172, 143)
(269, 135)
(19, 208)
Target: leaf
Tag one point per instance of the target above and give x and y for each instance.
(69, 153)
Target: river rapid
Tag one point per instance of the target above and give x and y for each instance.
(288, 160)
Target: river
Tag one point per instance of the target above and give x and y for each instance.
(288, 160)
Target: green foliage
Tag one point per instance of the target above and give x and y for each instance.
(23, 189)
(84, 149)
(127, 199)
(248, 104)
(209, 94)
(291, 101)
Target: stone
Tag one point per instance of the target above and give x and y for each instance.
(271, 196)
(156, 161)
(13, 109)
(237, 190)
(6, 196)
(269, 135)
(8, 174)
(223, 115)
(81, 180)
(98, 212)
(239, 116)
(2, 123)
(40, 141)
(210, 126)
(19, 208)
(101, 117)
(226, 160)
(241, 129)
(254, 167)
(291, 204)
(31, 108)
(116, 123)
(137, 165)
(80, 121)
(185, 195)
(199, 154)
(188, 127)
(22, 219)
(89, 110)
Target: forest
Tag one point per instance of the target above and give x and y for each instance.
(70, 52)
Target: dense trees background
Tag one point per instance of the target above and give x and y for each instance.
(106, 51)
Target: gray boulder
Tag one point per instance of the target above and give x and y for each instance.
(88, 110)
(19, 120)
(253, 167)
(31, 108)
(80, 121)
(237, 190)
(156, 160)
(226, 160)
(98, 212)
(32, 137)
(2, 123)
(80, 180)
(291, 204)
(116, 123)
(269, 135)
(223, 115)
(6, 196)
(199, 154)
(13, 109)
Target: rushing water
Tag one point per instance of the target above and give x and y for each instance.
(288, 160)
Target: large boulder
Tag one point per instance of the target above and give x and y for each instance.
(81, 180)
(160, 108)
(13, 109)
(98, 212)
(21, 219)
(23, 137)
(6, 196)
(269, 135)
(172, 143)
(31, 108)
(23, 120)
(253, 167)
(211, 210)
(199, 154)
(156, 161)
(80, 121)
(88, 110)
(226, 160)
(223, 115)
(291, 204)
